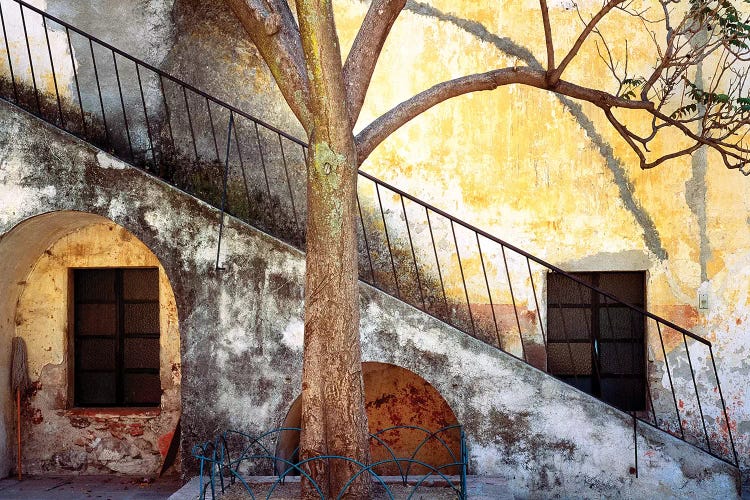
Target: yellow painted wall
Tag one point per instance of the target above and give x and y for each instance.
(558, 181)
(515, 162)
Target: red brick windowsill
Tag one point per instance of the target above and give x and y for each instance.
(134, 411)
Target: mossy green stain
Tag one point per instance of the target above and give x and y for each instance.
(327, 169)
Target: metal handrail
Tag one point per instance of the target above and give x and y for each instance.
(160, 72)
(534, 258)
(167, 141)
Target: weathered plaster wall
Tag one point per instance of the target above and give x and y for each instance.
(239, 347)
(551, 176)
(242, 336)
(542, 171)
(57, 435)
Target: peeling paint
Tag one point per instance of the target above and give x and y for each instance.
(561, 186)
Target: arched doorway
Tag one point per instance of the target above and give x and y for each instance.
(99, 318)
(395, 397)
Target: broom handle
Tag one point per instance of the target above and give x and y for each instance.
(18, 406)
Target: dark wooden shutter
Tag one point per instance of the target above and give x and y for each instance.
(596, 344)
(116, 329)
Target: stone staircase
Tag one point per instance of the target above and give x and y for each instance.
(444, 267)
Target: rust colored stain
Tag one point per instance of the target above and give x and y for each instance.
(396, 396)
(393, 396)
(36, 417)
(101, 413)
(136, 430)
(164, 441)
(683, 315)
(504, 323)
(119, 429)
(79, 422)
(536, 355)
(116, 429)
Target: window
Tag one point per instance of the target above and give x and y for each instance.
(595, 344)
(116, 337)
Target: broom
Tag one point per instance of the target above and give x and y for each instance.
(19, 383)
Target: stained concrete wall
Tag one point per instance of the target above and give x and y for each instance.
(242, 336)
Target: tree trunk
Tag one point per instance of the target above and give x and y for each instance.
(333, 413)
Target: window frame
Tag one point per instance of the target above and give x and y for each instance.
(119, 338)
(598, 371)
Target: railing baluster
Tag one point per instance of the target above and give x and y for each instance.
(288, 183)
(489, 293)
(723, 405)
(99, 91)
(190, 124)
(671, 385)
(75, 77)
(242, 168)
(595, 345)
(651, 400)
(513, 299)
(463, 280)
(633, 342)
(224, 192)
(213, 130)
(7, 51)
(31, 62)
(166, 111)
(536, 303)
(388, 241)
(145, 114)
(263, 160)
(437, 261)
(367, 245)
(697, 395)
(52, 67)
(597, 360)
(413, 254)
(567, 342)
(122, 103)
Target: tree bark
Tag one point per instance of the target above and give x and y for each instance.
(333, 413)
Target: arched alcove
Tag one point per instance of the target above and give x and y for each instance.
(63, 429)
(395, 396)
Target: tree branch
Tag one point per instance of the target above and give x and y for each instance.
(375, 133)
(547, 36)
(364, 54)
(272, 28)
(557, 72)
